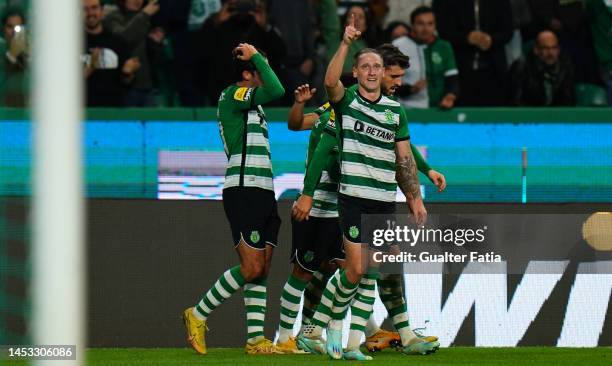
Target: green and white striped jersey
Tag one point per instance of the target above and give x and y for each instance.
(244, 132)
(367, 132)
(325, 197)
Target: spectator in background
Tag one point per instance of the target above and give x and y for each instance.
(182, 21)
(238, 21)
(521, 18)
(13, 60)
(431, 80)
(294, 21)
(599, 13)
(377, 11)
(478, 31)
(132, 23)
(108, 70)
(543, 77)
(395, 30)
(567, 19)
(200, 10)
(400, 10)
(333, 27)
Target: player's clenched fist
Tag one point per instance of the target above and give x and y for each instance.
(351, 33)
(245, 51)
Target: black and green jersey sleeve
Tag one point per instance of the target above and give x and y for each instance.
(244, 130)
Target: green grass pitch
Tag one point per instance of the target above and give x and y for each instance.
(444, 357)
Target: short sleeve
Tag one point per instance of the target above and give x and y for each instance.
(451, 65)
(402, 132)
(342, 104)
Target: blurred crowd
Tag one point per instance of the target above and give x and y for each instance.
(171, 53)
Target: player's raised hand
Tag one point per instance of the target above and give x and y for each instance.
(303, 93)
(301, 208)
(351, 34)
(245, 51)
(438, 179)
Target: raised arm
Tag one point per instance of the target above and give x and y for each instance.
(333, 85)
(297, 120)
(136, 29)
(408, 180)
(271, 88)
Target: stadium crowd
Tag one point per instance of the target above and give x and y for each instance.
(166, 53)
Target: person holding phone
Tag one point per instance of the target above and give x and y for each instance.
(13, 59)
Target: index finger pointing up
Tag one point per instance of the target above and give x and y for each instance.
(352, 20)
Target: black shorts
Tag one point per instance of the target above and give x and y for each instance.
(315, 240)
(253, 216)
(351, 210)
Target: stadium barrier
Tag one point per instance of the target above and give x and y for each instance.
(489, 155)
(149, 259)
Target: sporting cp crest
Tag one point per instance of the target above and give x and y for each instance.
(389, 115)
(354, 232)
(308, 256)
(255, 236)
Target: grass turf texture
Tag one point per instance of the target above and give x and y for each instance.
(447, 356)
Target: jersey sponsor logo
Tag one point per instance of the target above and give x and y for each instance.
(331, 123)
(378, 133)
(242, 94)
(324, 107)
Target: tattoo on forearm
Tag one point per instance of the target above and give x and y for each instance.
(406, 176)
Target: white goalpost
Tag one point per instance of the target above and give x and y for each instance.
(58, 235)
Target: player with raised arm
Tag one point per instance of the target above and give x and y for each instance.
(390, 286)
(375, 156)
(248, 199)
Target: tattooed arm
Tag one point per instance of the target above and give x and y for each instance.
(408, 180)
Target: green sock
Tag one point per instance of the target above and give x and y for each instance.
(229, 282)
(361, 309)
(290, 306)
(255, 294)
(312, 295)
(323, 313)
(392, 295)
(343, 296)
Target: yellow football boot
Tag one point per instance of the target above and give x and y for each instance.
(261, 347)
(289, 348)
(196, 331)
